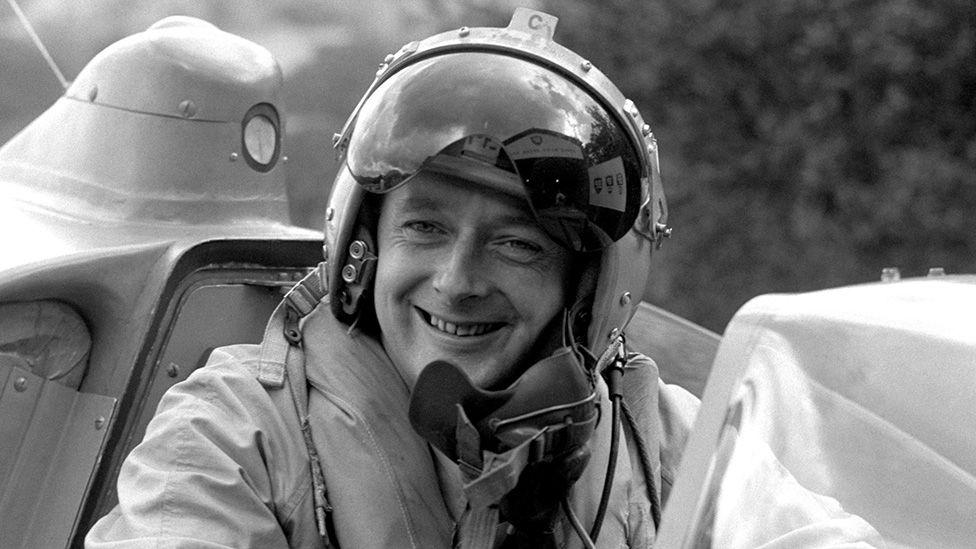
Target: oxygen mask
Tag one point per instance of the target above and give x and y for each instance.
(520, 449)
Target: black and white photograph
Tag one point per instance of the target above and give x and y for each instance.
(476, 274)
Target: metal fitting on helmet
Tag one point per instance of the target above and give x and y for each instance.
(511, 110)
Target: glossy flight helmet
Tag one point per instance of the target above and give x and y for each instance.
(509, 109)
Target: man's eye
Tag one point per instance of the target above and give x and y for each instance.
(524, 245)
(423, 227)
(522, 251)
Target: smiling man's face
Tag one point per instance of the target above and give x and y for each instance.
(464, 276)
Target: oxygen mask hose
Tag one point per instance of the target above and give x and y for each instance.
(612, 375)
(574, 521)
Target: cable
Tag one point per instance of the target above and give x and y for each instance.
(37, 42)
(613, 375)
(577, 525)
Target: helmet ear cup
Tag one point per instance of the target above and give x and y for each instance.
(624, 272)
(356, 275)
(351, 250)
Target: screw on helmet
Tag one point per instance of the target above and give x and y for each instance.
(513, 111)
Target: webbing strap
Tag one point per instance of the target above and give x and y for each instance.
(274, 349)
(295, 368)
(299, 302)
(477, 527)
(282, 358)
(640, 378)
(487, 478)
(646, 468)
(309, 291)
(500, 475)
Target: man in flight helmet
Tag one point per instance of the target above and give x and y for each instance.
(450, 375)
(497, 203)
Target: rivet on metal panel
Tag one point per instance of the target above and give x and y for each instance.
(173, 369)
(625, 298)
(99, 423)
(234, 157)
(188, 109)
(20, 384)
(93, 93)
(464, 31)
(646, 130)
(388, 59)
(284, 159)
(586, 66)
(350, 274)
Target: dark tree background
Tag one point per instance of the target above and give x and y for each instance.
(805, 143)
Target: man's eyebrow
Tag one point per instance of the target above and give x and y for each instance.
(525, 220)
(424, 203)
(414, 203)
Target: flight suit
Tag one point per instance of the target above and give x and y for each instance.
(224, 462)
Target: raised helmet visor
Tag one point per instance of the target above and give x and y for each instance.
(511, 125)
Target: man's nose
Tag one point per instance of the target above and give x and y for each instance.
(460, 273)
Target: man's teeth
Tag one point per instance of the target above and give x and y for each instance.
(459, 329)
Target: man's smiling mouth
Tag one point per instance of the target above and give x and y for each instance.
(463, 329)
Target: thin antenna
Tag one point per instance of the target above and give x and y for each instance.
(38, 43)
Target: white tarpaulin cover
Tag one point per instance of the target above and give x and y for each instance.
(865, 394)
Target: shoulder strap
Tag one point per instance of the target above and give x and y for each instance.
(283, 359)
(639, 405)
(282, 329)
(640, 390)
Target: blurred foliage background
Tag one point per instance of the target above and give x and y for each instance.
(804, 143)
